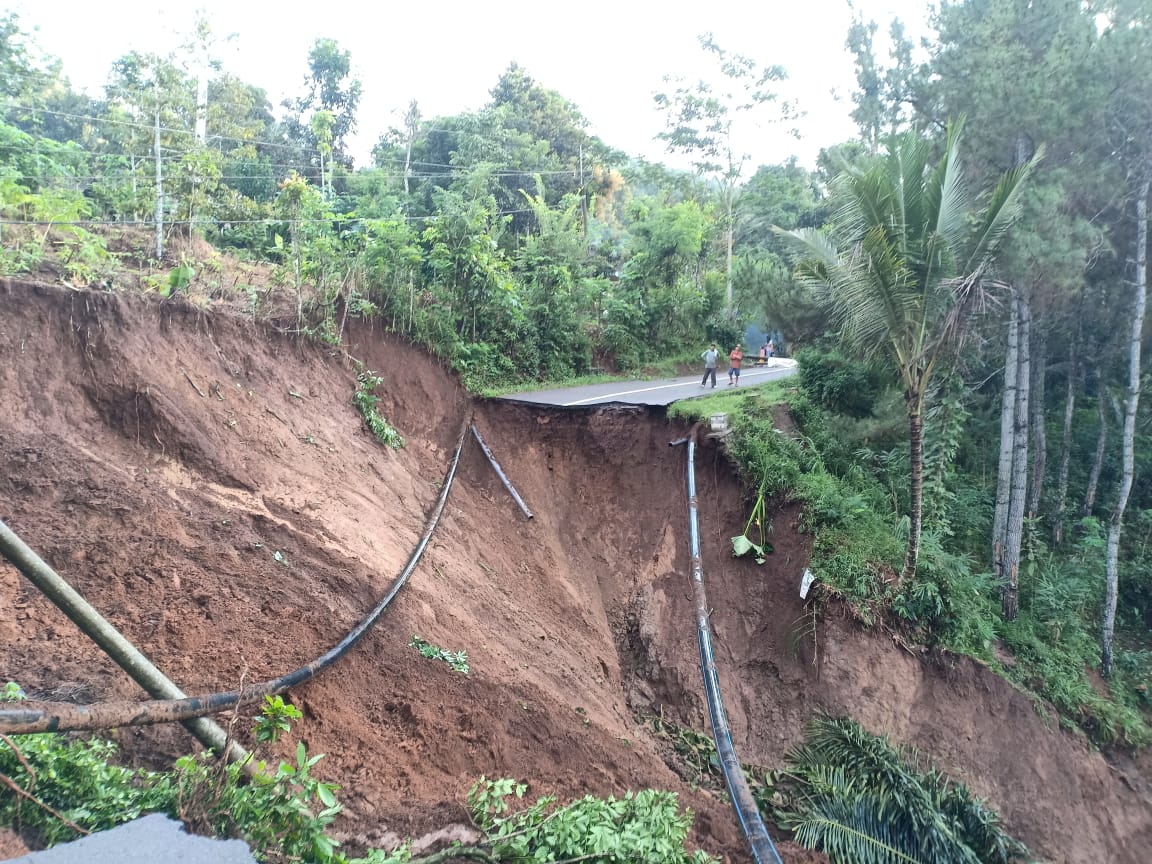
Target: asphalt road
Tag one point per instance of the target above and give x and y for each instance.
(148, 840)
(658, 392)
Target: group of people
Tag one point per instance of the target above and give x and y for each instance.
(735, 359)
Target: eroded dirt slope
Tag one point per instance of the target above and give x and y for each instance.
(208, 485)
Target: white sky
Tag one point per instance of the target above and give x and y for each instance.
(608, 58)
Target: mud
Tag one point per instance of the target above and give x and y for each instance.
(209, 486)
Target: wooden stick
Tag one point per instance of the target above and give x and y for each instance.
(193, 383)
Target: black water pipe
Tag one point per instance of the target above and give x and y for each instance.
(500, 473)
(747, 813)
(25, 718)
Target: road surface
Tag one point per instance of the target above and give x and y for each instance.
(660, 392)
(148, 840)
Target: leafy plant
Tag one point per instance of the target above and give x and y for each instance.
(180, 279)
(743, 544)
(458, 660)
(858, 799)
(275, 719)
(367, 402)
(838, 383)
(645, 827)
(71, 786)
(13, 692)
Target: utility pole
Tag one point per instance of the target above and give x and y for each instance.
(583, 196)
(411, 123)
(159, 173)
(202, 104)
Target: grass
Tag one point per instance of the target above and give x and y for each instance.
(734, 402)
(535, 386)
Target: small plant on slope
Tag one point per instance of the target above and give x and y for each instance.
(742, 544)
(458, 660)
(367, 402)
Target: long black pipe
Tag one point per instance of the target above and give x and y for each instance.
(747, 813)
(500, 473)
(67, 717)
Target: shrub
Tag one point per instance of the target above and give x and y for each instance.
(837, 383)
(645, 827)
(859, 799)
(366, 401)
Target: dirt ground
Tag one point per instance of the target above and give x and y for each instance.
(208, 485)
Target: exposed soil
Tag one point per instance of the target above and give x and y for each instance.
(166, 508)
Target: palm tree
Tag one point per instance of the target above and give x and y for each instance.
(904, 265)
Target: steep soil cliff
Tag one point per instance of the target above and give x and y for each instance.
(209, 486)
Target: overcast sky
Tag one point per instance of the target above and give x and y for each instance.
(606, 57)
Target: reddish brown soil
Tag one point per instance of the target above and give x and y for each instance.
(11, 846)
(165, 508)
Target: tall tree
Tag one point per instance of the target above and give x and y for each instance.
(1131, 403)
(1127, 50)
(328, 86)
(700, 120)
(883, 95)
(904, 265)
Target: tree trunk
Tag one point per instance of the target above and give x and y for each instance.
(729, 195)
(1039, 432)
(1007, 424)
(1129, 440)
(916, 486)
(1065, 457)
(1014, 530)
(1101, 444)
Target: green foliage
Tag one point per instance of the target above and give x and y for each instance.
(275, 719)
(13, 692)
(78, 780)
(646, 827)
(1053, 641)
(283, 814)
(850, 502)
(743, 544)
(457, 660)
(180, 279)
(852, 546)
(837, 383)
(858, 799)
(367, 401)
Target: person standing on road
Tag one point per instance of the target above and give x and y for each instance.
(735, 356)
(709, 365)
(763, 355)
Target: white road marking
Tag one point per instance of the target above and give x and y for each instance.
(747, 373)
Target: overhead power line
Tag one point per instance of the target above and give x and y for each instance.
(129, 223)
(151, 127)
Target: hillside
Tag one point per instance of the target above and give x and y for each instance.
(160, 457)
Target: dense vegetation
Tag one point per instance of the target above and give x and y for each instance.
(963, 286)
(68, 788)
